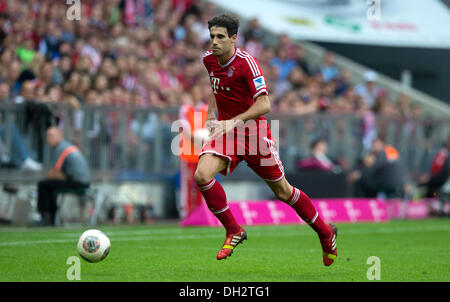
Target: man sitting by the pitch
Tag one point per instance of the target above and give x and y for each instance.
(69, 171)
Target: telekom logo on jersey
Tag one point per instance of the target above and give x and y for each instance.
(250, 138)
(215, 84)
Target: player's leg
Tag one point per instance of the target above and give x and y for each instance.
(271, 169)
(196, 197)
(301, 203)
(208, 166)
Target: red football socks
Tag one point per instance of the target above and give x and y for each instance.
(217, 203)
(301, 203)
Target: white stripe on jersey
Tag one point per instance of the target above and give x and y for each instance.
(252, 68)
(251, 62)
(206, 54)
(259, 92)
(252, 59)
(255, 72)
(229, 61)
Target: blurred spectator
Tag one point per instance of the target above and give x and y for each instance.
(17, 155)
(381, 174)
(254, 36)
(369, 90)
(69, 171)
(25, 51)
(343, 82)
(254, 30)
(286, 43)
(328, 69)
(319, 160)
(439, 172)
(300, 59)
(11, 73)
(49, 45)
(4, 24)
(38, 117)
(404, 106)
(384, 107)
(4, 93)
(283, 64)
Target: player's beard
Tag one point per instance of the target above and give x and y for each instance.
(217, 52)
(221, 53)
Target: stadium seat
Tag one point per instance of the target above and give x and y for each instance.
(94, 195)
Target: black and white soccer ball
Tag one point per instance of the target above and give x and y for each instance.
(93, 245)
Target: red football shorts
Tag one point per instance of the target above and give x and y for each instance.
(259, 151)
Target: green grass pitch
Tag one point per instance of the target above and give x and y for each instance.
(408, 251)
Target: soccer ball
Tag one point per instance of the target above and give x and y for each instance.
(93, 245)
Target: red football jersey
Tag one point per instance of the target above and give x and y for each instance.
(235, 84)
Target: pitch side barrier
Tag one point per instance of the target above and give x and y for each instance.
(127, 138)
(338, 210)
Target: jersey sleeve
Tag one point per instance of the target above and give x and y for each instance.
(254, 77)
(205, 59)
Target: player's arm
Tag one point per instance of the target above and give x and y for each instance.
(253, 75)
(211, 118)
(260, 107)
(212, 108)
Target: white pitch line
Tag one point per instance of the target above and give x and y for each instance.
(301, 231)
(205, 234)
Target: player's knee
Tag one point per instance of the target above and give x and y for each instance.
(282, 194)
(201, 177)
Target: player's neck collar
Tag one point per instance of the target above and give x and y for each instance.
(229, 60)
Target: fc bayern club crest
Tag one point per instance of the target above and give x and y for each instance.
(230, 71)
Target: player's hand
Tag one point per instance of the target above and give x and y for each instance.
(210, 125)
(221, 127)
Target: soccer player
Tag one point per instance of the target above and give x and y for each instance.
(241, 98)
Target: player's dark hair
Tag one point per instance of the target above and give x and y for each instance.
(228, 21)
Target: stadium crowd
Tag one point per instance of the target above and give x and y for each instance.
(147, 53)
